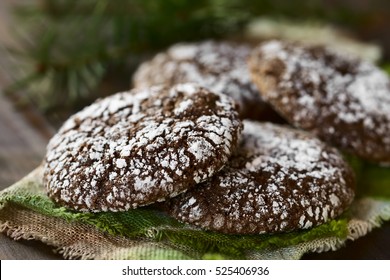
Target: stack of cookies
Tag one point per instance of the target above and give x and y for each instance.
(201, 132)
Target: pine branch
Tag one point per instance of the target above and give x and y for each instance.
(71, 44)
(74, 42)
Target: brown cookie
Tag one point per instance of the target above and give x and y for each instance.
(280, 179)
(135, 148)
(220, 66)
(343, 100)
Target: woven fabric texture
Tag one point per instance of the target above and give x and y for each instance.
(147, 233)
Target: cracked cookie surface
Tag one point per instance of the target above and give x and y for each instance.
(220, 66)
(343, 100)
(279, 179)
(135, 148)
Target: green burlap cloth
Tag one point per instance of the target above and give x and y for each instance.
(27, 213)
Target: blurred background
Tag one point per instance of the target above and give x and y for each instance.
(60, 55)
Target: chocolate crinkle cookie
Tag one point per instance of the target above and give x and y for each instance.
(280, 179)
(135, 148)
(343, 100)
(220, 66)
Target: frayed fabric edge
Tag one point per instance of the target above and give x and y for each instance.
(358, 226)
(68, 252)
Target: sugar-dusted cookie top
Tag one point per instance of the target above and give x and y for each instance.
(280, 179)
(220, 66)
(135, 148)
(345, 101)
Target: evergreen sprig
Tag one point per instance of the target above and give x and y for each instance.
(72, 44)
(75, 51)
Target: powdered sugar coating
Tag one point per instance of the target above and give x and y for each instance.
(220, 66)
(280, 179)
(135, 148)
(343, 100)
